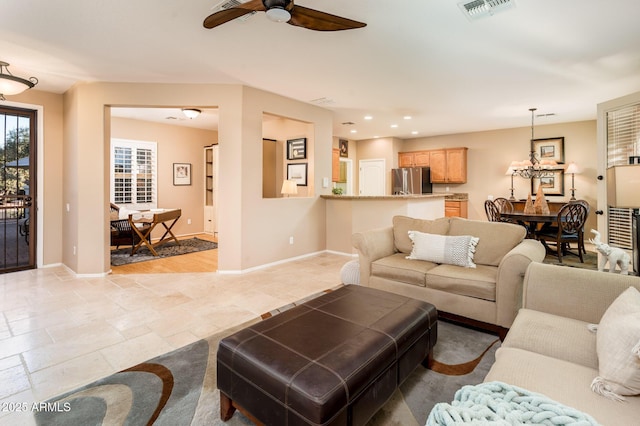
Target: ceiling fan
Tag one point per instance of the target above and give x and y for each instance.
(284, 11)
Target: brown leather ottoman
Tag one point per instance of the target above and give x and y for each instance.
(334, 360)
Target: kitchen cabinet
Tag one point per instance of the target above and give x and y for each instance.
(414, 159)
(335, 165)
(456, 208)
(448, 165)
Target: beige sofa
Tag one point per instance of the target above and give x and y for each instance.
(489, 294)
(549, 348)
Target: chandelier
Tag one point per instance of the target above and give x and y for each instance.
(533, 167)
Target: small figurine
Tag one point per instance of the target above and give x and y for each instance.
(613, 255)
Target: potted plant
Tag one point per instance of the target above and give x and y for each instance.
(336, 191)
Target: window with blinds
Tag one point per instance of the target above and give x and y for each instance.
(623, 147)
(623, 132)
(133, 174)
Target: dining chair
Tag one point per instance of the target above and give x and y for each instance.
(570, 220)
(586, 204)
(503, 204)
(492, 211)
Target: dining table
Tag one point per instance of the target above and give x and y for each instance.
(531, 221)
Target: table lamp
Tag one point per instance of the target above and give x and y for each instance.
(510, 172)
(289, 187)
(574, 170)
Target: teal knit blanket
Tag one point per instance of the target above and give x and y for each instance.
(497, 403)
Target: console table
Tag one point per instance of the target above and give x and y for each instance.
(164, 217)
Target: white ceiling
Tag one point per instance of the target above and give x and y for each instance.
(421, 58)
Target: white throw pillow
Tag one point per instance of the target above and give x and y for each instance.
(453, 250)
(618, 346)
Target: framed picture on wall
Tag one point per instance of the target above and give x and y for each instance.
(551, 185)
(181, 174)
(549, 149)
(297, 149)
(343, 145)
(297, 173)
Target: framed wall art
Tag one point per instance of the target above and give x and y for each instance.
(297, 173)
(343, 144)
(551, 185)
(549, 149)
(297, 149)
(181, 174)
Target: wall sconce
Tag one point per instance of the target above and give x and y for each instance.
(191, 113)
(289, 187)
(573, 169)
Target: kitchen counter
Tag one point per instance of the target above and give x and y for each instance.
(384, 197)
(346, 214)
(455, 196)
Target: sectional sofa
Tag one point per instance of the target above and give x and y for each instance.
(552, 347)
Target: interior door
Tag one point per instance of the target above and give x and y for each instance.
(372, 177)
(17, 189)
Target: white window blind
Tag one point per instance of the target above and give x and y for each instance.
(623, 135)
(134, 174)
(623, 141)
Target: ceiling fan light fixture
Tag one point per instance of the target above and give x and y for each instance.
(278, 14)
(12, 85)
(191, 112)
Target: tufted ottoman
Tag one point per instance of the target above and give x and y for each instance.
(334, 360)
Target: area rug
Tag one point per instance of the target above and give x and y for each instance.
(590, 260)
(123, 256)
(179, 388)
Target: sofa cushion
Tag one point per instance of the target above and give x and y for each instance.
(618, 343)
(554, 336)
(403, 224)
(452, 250)
(397, 268)
(479, 282)
(563, 381)
(496, 238)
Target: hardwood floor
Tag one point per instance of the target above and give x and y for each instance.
(203, 261)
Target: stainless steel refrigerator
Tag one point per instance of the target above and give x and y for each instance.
(411, 180)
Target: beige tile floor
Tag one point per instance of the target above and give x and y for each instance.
(58, 332)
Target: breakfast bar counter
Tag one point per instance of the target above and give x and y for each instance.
(347, 214)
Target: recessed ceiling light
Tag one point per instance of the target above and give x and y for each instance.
(407, 117)
(393, 126)
(368, 117)
(354, 131)
(415, 132)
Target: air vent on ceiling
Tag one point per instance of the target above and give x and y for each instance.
(228, 4)
(476, 9)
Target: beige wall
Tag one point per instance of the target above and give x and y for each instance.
(253, 231)
(175, 144)
(491, 152)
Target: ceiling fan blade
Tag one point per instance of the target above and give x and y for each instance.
(321, 21)
(227, 15)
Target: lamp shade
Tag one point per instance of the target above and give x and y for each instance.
(622, 186)
(289, 187)
(573, 169)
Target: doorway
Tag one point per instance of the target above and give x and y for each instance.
(17, 189)
(372, 177)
